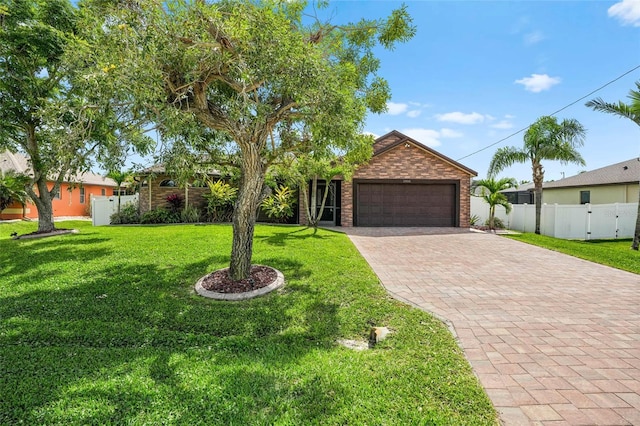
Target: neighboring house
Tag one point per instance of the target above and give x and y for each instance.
(521, 194)
(617, 183)
(156, 185)
(405, 184)
(74, 198)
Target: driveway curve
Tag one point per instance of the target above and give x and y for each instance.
(552, 338)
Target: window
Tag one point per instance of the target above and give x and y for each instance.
(167, 182)
(144, 183)
(585, 197)
(103, 191)
(81, 195)
(59, 195)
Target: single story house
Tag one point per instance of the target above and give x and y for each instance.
(156, 185)
(617, 183)
(404, 184)
(74, 198)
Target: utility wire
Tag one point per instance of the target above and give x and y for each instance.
(553, 113)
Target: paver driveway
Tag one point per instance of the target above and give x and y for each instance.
(553, 339)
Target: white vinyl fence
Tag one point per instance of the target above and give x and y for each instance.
(481, 209)
(103, 207)
(581, 222)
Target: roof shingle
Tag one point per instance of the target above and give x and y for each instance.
(20, 164)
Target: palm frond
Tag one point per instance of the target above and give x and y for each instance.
(620, 109)
(506, 157)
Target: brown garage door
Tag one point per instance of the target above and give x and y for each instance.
(403, 204)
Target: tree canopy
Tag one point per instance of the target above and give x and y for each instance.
(271, 79)
(47, 113)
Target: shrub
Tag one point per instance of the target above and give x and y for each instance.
(190, 214)
(497, 223)
(128, 214)
(160, 215)
(474, 219)
(220, 201)
(279, 205)
(175, 202)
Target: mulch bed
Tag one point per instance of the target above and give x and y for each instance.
(220, 282)
(39, 234)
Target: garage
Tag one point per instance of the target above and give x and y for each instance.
(406, 203)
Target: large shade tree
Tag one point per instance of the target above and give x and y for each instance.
(256, 71)
(546, 139)
(46, 112)
(632, 112)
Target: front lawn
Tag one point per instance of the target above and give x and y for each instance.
(615, 253)
(103, 327)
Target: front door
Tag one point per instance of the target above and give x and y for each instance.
(328, 217)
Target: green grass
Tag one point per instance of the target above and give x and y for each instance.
(103, 327)
(615, 253)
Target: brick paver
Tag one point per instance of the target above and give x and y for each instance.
(553, 339)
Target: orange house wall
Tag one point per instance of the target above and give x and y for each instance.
(68, 204)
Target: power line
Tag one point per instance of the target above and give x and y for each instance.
(553, 113)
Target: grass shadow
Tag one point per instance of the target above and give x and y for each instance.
(281, 238)
(98, 343)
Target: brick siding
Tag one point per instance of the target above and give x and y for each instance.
(194, 196)
(412, 162)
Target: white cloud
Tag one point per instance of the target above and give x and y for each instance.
(538, 82)
(428, 137)
(450, 133)
(461, 118)
(509, 116)
(627, 11)
(372, 134)
(396, 108)
(503, 124)
(431, 137)
(533, 37)
(412, 109)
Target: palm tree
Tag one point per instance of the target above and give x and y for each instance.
(13, 189)
(119, 177)
(632, 112)
(546, 139)
(490, 193)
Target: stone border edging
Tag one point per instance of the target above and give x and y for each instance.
(279, 282)
(45, 235)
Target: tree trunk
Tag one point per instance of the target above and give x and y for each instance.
(315, 214)
(636, 234)
(118, 200)
(538, 177)
(245, 211)
(492, 214)
(43, 202)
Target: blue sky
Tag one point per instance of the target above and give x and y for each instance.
(478, 71)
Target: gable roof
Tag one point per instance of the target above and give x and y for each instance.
(15, 162)
(19, 163)
(624, 172)
(380, 147)
(158, 169)
(529, 186)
